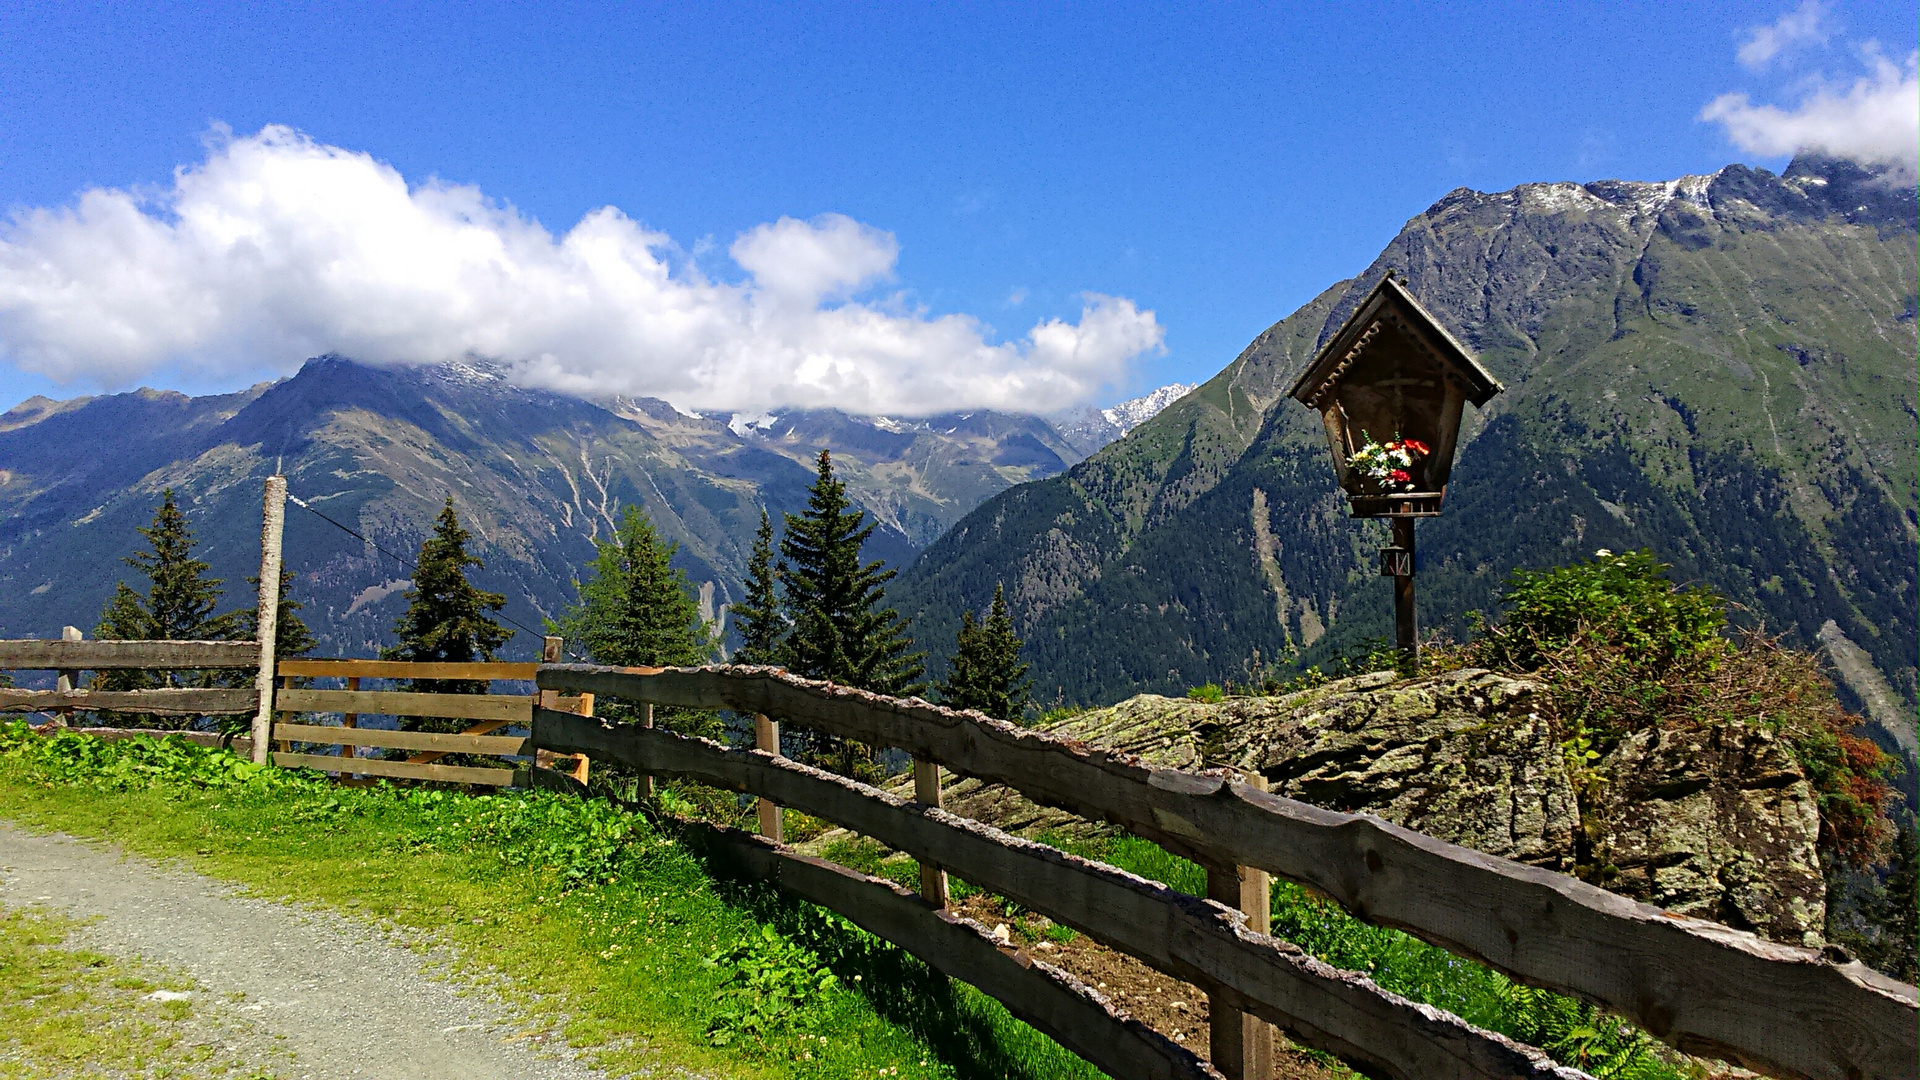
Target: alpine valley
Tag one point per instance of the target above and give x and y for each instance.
(1720, 368)
(536, 477)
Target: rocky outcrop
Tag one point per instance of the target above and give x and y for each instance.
(1719, 823)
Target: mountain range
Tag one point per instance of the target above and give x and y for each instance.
(1721, 368)
(537, 476)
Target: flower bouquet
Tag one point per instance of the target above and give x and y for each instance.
(1387, 466)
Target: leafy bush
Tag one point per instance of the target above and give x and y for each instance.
(773, 985)
(1211, 694)
(1622, 602)
(126, 764)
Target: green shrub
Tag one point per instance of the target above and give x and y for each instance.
(1622, 602)
(1211, 694)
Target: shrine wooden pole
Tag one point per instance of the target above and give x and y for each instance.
(1406, 627)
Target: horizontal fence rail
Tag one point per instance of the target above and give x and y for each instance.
(506, 709)
(178, 701)
(1051, 1000)
(33, 655)
(1198, 940)
(1700, 986)
(478, 670)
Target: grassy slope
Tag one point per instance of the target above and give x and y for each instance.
(604, 925)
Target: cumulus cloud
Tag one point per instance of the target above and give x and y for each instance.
(1803, 25)
(1875, 121)
(277, 248)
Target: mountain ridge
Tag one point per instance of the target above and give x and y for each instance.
(1719, 367)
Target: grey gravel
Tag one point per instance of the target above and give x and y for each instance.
(346, 999)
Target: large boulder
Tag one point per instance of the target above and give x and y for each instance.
(1717, 822)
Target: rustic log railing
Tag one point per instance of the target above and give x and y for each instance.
(71, 655)
(1701, 987)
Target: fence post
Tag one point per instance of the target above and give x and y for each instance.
(350, 720)
(1241, 1044)
(272, 528)
(645, 790)
(67, 680)
(926, 789)
(766, 736)
(550, 650)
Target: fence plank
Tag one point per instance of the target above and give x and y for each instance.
(1053, 1001)
(455, 774)
(1699, 986)
(401, 740)
(176, 701)
(490, 671)
(504, 708)
(34, 655)
(1187, 937)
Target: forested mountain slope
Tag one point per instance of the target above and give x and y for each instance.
(1721, 368)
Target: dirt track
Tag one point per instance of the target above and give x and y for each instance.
(344, 1000)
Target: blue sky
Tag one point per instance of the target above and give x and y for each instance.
(1006, 189)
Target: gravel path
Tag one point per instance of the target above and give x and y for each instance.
(340, 996)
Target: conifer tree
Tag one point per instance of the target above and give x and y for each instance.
(447, 620)
(985, 672)
(179, 605)
(841, 631)
(758, 614)
(637, 610)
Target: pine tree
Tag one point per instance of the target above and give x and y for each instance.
(179, 606)
(840, 630)
(758, 615)
(447, 619)
(985, 672)
(636, 610)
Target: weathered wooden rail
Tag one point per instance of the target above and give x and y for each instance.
(72, 655)
(1701, 987)
(490, 712)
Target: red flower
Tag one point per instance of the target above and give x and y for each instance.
(1394, 445)
(1418, 447)
(1400, 476)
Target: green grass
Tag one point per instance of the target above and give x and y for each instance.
(611, 931)
(1574, 1033)
(77, 1013)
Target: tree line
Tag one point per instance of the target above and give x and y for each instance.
(813, 605)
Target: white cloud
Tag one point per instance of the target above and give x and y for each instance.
(277, 248)
(1804, 24)
(1875, 121)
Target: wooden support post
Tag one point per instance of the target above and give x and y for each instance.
(766, 736)
(273, 522)
(1241, 1044)
(1405, 625)
(67, 681)
(551, 649)
(926, 789)
(349, 720)
(646, 780)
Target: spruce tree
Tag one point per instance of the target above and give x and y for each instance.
(986, 673)
(840, 629)
(179, 606)
(758, 614)
(637, 610)
(291, 637)
(447, 620)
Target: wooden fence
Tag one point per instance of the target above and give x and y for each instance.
(489, 713)
(1702, 987)
(71, 655)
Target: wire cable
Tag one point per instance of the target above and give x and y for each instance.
(408, 563)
